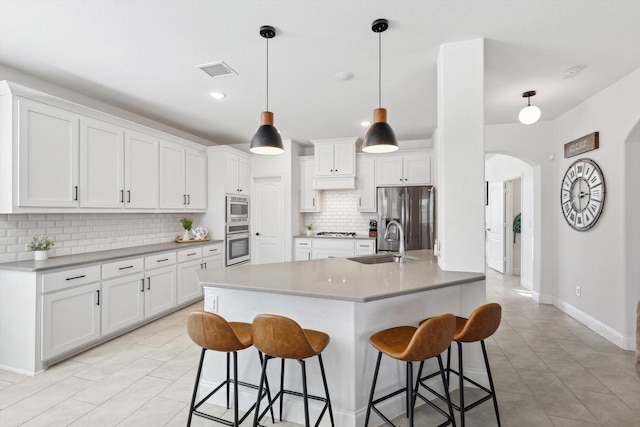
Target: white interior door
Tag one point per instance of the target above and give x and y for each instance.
(496, 230)
(268, 220)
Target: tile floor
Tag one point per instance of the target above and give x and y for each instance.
(549, 370)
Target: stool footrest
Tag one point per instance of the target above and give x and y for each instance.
(222, 420)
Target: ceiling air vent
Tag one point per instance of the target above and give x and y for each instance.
(217, 69)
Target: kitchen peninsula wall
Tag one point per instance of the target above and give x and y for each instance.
(79, 233)
(339, 213)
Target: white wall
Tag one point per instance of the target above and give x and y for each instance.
(503, 168)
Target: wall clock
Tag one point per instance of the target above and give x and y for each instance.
(582, 194)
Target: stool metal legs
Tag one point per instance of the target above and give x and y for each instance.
(305, 395)
(411, 394)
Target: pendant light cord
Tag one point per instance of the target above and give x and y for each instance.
(379, 70)
(267, 75)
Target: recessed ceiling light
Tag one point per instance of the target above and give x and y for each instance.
(217, 95)
(571, 72)
(365, 123)
(344, 75)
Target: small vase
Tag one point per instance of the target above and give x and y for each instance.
(186, 236)
(309, 232)
(41, 255)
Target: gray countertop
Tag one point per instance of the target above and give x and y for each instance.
(98, 256)
(340, 278)
(357, 237)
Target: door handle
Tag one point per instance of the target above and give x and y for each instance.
(257, 234)
(98, 292)
(148, 283)
(142, 285)
(188, 199)
(121, 196)
(75, 193)
(128, 196)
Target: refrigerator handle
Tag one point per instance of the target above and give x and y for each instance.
(404, 213)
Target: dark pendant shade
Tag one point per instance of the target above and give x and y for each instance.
(267, 139)
(380, 138)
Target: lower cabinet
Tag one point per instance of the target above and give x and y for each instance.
(123, 302)
(70, 319)
(320, 248)
(159, 291)
(188, 287)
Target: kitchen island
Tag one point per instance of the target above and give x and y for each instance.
(348, 300)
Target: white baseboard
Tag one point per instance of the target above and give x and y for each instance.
(542, 298)
(602, 329)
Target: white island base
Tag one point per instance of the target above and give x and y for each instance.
(413, 292)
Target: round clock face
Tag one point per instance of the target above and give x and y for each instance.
(582, 194)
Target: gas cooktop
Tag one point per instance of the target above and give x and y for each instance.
(336, 234)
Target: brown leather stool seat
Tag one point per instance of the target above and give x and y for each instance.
(212, 332)
(281, 337)
(482, 323)
(410, 344)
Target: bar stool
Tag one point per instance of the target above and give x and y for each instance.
(410, 344)
(281, 337)
(482, 323)
(212, 332)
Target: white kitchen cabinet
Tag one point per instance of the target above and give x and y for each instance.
(140, 170)
(101, 164)
(183, 177)
(366, 184)
(302, 248)
(48, 155)
(365, 247)
(411, 168)
(212, 257)
(70, 319)
(123, 302)
(159, 290)
(237, 172)
(309, 198)
(336, 157)
(189, 261)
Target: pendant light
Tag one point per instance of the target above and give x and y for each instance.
(380, 138)
(267, 139)
(529, 114)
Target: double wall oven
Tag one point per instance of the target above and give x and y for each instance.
(238, 239)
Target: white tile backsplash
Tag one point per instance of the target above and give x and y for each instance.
(339, 213)
(79, 233)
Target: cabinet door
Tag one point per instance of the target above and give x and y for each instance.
(189, 288)
(417, 169)
(366, 184)
(309, 201)
(323, 156)
(70, 319)
(231, 167)
(101, 164)
(331, 253)
(302, 254)
(244, 176)
(196, 179)
(48, 164)
(344, 159)
(389, 170)
(212, 262)
(160, 291)
(141, 171)
(123, 302)
(172, 176)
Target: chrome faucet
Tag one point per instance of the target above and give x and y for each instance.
(386, 236)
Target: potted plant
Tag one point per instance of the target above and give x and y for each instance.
(187, 223)
(40, 245)
(309, 228)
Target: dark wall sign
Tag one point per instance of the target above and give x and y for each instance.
(581, 145)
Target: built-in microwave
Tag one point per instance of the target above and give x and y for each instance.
(237, 209)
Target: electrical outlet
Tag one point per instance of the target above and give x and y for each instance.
(578, 291)
(211, 303)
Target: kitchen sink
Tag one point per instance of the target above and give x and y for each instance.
(379, 259)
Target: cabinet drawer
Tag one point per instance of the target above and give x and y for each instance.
(189, 254)
(364, 245)
(69, 278)
(345, 244)
(211, 250)
(122, 268)
(303, 243)
(159, 260)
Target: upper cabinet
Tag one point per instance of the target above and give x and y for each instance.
(334, 163)
(309, 200)
(48, 155)
(366, 184)
(57, 155)
(409, 168)
(237, 174)
(183, 177)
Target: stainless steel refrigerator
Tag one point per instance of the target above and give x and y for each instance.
(413, 207)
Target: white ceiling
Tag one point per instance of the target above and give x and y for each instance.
(140, 55)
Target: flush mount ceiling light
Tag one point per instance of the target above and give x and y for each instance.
(217, 95)
(380, 138)
(529, 114)
(267, 139)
